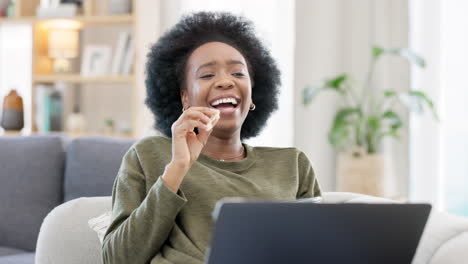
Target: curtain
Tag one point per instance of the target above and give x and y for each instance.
(439, 150)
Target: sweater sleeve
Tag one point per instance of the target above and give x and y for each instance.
(308, 184)
(141, 222)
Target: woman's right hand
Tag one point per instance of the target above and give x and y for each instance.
(186, 145)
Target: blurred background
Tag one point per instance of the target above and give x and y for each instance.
(372, 90)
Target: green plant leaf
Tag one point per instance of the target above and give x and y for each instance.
(390, 93)
(344, 115)
(373, 122)
(416, 100)
(409, 55)
(345, 120)
(391, 133)
(338, 134)
(309, 93)
(377, 51)
(394, 119)
(392, 122)
(336, 83)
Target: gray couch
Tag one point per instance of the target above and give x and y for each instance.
(38, 173)
(43, 177)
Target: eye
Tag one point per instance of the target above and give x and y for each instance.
(206, 76)
(239, 74)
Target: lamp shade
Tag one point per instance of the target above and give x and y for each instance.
(63, 43)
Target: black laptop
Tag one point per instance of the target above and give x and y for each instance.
(286, 232)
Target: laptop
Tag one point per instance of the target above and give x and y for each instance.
(262, 232)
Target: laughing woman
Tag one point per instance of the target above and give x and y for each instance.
(210, 84)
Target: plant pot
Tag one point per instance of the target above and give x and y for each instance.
(364, 173)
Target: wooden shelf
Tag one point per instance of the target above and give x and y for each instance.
(93, 18)
(76, 78)
(71, 135)
(15, 20)
(108, 19)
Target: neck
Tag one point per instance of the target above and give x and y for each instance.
(224, 148)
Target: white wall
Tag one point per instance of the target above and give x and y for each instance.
(318, 55)
(148, 30)
(335, 36)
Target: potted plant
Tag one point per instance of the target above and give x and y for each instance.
(366, 117)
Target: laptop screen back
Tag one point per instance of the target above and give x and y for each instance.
(281, 233)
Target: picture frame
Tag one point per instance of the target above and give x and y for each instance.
(96, 60)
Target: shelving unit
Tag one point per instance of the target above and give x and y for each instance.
(87, 20)
(16, 133)
(76, 78)
(42, 72)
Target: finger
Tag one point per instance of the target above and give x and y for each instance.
(206, 110)
(190, 124)
(196, 115)
(203, 136)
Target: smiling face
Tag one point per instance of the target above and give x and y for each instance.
(216, 76)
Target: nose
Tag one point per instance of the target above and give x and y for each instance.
(225, 83)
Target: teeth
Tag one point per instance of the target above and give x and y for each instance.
(224, 101)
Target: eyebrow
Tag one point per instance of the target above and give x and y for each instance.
(212, 63)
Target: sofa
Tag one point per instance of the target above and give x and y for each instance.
(46, 204)
(40, 172)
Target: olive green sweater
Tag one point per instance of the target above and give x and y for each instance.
(152, 224)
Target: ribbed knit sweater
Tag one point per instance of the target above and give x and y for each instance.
(152, 224)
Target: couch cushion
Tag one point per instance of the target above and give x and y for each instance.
(31, 173)
(92, 165)
(65, 235)
(10, 251)
(25, 258)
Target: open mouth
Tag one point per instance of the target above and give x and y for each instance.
(226, 105)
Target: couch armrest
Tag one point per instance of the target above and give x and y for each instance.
(347, 197)
(455, 250)
(444, 241)
(445, 237)
(65, 236)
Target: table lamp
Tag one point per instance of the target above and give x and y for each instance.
(63, 45)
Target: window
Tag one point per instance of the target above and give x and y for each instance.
(439, 158)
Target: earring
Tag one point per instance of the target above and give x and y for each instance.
(183, 108)
(252, 107)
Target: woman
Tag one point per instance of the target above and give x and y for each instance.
(209, 64)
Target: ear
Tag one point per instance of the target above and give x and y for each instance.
(184, 97)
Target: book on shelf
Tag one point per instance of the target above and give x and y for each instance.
(123, 55)
(49, 108)
(128, 59)
(119, 53)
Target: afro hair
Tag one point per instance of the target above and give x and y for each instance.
(167, 58)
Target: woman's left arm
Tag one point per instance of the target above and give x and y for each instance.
(308, 184)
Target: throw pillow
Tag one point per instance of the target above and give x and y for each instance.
(100, 224)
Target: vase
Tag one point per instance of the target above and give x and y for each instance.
(360, 172)
(12, 112)
(76, 123)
